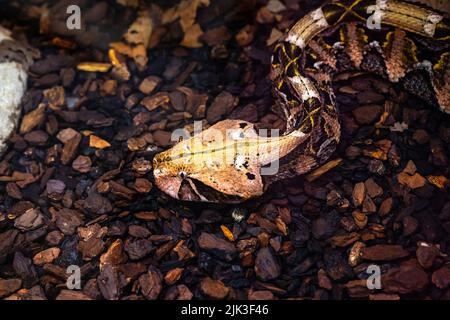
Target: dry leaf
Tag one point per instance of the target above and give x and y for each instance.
(281, 226)
(140, 30)
(122, 48)
(438, 181)
(378, 154)
(186, 11)
(227, 233)
(112, 54)
(94, 66)
(191, 37)
(44, 20)
(383, 118)
(275, 35)
(63, 43)
(32, 119)
(98, 143)
(323, 169)
(137, 38)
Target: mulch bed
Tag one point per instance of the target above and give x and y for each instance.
(76, 182)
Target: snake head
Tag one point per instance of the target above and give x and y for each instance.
(210, 166)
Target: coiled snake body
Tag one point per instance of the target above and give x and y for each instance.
(225, 162)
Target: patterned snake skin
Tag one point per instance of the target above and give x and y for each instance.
(385, 37)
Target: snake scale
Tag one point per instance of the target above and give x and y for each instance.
(225, 162)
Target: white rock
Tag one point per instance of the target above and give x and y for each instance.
(13, 82)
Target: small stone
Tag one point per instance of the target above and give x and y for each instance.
(142, 185)
(82, 164)
(359, 192)
(367, 114)
(360, 219)
(46, 256)
(421, 136)
(24, 269)
(369, 97)
(149, 84)
(67, 220)
(138, 249)
(91, 242)
(162, 138)
(36, 138)
(298, 200)
(8, 286)
(245, 36)
(407, 278)
(373, 189)
(384, 297)
(352, 152)
(72, 295)
(151, 283)
(348, 224)
(214, 289)
(323, 280)
(109, 87)
(183, 292)
(384, 252)
(261, 295)
(20, 208)
(415, 181)
(35, 293)
(138, 231)
(157, 100)
(410, 168)
(115, 254)
(336, 266)
(357, 288)
(54, 238)
(441, 277)
(97, 204)
(30, 220)
(109, 283)
(344, 240)
(410, 225)
(264, 16)
(355, 255)
(217, 246)
(386, 207)
(222, 104)
(266, 265)
(55, 97)
(172, 276)
(325, 226)
(368, 205)
(216, 36)
(426, 254)
(91, 289)
(55, 187)
(13, 190)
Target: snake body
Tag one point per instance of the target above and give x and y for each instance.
(224, 163)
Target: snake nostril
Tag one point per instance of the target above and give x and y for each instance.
(182, 174)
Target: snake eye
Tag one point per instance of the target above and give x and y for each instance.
(182, 174)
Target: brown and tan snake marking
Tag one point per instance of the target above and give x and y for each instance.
(224, 162)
